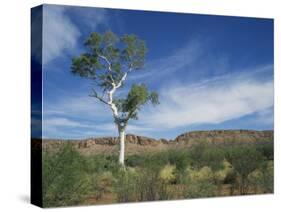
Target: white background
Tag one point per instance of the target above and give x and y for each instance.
(15, 103)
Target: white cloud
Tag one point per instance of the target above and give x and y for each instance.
(61, 127)
(60, 33)
(91, 17)
(61, 122)
(81, 106)
(180, 58)
(77, 116)
(212, 102)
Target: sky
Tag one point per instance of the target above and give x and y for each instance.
(211, 72)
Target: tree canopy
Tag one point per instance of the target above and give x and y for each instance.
(108, 60)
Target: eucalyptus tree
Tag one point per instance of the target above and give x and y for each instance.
(107, 61)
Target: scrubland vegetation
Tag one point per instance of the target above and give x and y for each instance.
(204, 170)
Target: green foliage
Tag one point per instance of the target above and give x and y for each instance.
(137, 96)
(101, 183)
(134, 160)
(102, 163)
(70, 178)
(203, 154)
(108, 57)
(65, 181)
(267, 170)
(200, 183)
(245, 159)
(266, 149)
(178, 157)
(107, 61)
(147, 182)
(263, 177)
(224, 175)
(125, 185)
(134, 52)
(167, 174)
(152, 183)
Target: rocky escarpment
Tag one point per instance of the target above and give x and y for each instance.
(225, 136)
(107, 145)
(108, 141)
(139, 144)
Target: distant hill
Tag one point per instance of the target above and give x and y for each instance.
(225, 136)
(139, 144)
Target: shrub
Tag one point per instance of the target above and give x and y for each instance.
(153, 183)
(262, 178)
(245, 159)
(179, 158)
(101, 163)
(167, 174)
(268, 177)
(203, 154)
(147, 183)
(135, 160)
(254, 179)
(223, 175)
(200, 183)
(101, 183)
(267, 150)
(65, 181)
(125, 185)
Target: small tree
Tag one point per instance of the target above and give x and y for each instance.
(244, 159)
(107, 62)
(199, 183)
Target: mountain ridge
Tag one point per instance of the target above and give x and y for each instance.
(139, 144)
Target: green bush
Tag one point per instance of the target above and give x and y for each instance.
(167, 174)
(148, 182)
(199, 183)
(245, 159)
(204, 154)
(125, 185)
(262, 178)
(65, 181)
(135, 160)
(101, 183)
(101, 163)
(267, 150)
(267, 170)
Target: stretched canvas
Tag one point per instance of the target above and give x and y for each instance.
(133, 106)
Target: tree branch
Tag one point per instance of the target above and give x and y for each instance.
(114, 87)
(95, 95)
(106, 60)
(109, 66)
(122, 80)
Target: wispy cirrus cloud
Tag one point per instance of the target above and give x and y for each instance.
(57, 122)
(65, 127)
(177, 60)
(211, 102)
(76, 116)
(61, 33)
(79, 106)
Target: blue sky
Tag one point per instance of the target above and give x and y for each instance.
(211, 72)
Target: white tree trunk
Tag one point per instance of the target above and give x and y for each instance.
(122, 147)
(121, 126)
